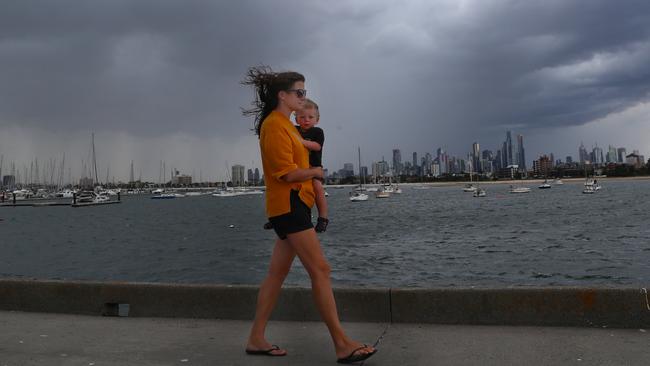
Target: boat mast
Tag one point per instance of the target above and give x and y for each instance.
(95, 160)
(360, 178)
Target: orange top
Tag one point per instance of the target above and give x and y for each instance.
(283, 152)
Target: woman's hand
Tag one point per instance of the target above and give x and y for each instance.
(318, 172)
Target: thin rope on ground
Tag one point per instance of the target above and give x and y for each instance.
(381, 336)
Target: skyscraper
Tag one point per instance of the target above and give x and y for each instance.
(597, 153)
(476, 158)
(510, 154)
(426, 165)
(621, 154)
(238, 175)
(612, 155)
(363, 171)
(443, 160)
(397, 162)
(415, 160)
(583, 154)
(256, 176)
(521, 154)
(349, 168)
(498, 160)
(379, 168)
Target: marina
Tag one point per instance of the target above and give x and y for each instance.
(430, 235)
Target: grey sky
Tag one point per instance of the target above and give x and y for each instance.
(160, 79)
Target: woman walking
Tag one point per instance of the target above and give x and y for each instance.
(289, 198)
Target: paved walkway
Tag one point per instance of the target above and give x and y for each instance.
(54, 339)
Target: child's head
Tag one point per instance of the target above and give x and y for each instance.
(308, 116)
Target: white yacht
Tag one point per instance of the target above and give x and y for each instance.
(469, 188)
(85, 197)
(225, 193)
(164, 196)
(545, 185)
(514, 189)
(66, 193)
(22, 194)
(381, 193)
(592, 183)
(243, 191)
(589, 190)
(101, 197)
(358, 197)
(358, 194)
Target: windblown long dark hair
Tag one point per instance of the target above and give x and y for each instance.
(267, 84)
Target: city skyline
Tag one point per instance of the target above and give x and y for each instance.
(52, 171)
(160, 80)
(476, 156)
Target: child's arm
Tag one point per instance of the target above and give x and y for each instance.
(310, 145)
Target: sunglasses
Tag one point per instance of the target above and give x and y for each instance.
(300, 93)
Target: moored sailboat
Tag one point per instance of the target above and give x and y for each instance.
(357, 195)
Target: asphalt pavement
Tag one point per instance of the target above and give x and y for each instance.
(57, 339)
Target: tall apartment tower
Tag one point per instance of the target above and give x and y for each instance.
(521, 153)
(621, 154)
(256, 176)
(510, 153)
(476, 158)
(238, 175)
(397, 161)
(597, 154)
(443, 160)
(583, 154)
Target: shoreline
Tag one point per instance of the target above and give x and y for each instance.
(491, 182)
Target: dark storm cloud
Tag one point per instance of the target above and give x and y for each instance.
(418, 73)
(142, 66)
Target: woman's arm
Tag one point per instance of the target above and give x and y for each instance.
(300, 175)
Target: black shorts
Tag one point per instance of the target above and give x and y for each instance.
(299, 219)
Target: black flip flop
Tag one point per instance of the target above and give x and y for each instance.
(352, 358)
(266, 352)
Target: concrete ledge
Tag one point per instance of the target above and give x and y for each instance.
(183, 301)
(556, 306)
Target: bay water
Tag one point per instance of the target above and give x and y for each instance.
(429, 236)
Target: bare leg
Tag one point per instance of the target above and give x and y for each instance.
(321, 201)
(283, 255)
(307, 247)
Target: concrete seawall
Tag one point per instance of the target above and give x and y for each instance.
(615, 307)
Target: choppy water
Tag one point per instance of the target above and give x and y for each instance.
(439, 236)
